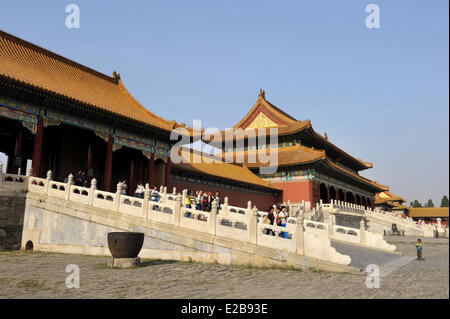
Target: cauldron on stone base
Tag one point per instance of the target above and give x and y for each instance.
(125, 244)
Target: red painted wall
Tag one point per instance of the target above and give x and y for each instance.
(235, 198)
(295, 191)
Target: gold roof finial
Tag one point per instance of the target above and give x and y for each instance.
(325, 135)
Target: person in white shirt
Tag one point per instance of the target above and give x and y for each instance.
(140, 191)
(154, 194)
(282, 216)
(198, 200)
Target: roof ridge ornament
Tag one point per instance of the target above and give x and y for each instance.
(262, 94)
(116, 76)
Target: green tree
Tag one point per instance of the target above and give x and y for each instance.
(430, 203)
(416, 203)
(444, 201)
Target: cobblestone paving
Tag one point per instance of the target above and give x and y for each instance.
(42, 275)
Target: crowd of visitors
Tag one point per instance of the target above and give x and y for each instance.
(279, 217)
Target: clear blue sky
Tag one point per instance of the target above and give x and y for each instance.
(380, 94)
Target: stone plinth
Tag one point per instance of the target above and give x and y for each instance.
(124, 262)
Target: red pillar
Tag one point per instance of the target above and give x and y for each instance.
(311, 195)
(37, 148)
(151, 165)
(167, 173)
(345, 196)
(17, 150)
(328, 195)
(132, 185)
(108, 165)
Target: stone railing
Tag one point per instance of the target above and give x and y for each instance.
(338, 207)
(343, 207)
(236, 223)
(14, 182)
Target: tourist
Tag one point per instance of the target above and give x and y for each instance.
(210, 200)
(271, 218)
(198, 200)
(154, 196)
(139, 191)
(217, 199)
(124, 187)
(78, 179)
(187, 202)
(282, 220)
(84, 181)
(66, 178)
(205, 202)
(419, 248)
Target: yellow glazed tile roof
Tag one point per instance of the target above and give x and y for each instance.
(234, 172)
(31, 65)
(428, 212)
(386, 196)
(288, 155)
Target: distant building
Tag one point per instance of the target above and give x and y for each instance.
(387, 201)
(429, 214)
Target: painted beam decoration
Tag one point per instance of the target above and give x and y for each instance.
(25, 113)
(28, 114)
(123, 138)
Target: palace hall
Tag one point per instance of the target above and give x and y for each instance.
(66, 117)
(309, 166)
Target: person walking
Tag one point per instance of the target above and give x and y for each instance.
(419, 248)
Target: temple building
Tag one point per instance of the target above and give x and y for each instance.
(309, 166)
(66, 117)
(387, 201)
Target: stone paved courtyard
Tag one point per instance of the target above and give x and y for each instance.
(42, 275)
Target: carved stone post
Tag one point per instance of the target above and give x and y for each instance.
(253, 226)
(183, 197)
(362, 232)
(331, 222)
(117, 196)
(213, 218)
(47, 181)
(248, 211)
(145, 202)
(68, 186)
(177, 211)
(91, 191)
(300, 235)
(174, 191)
(225, 206)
